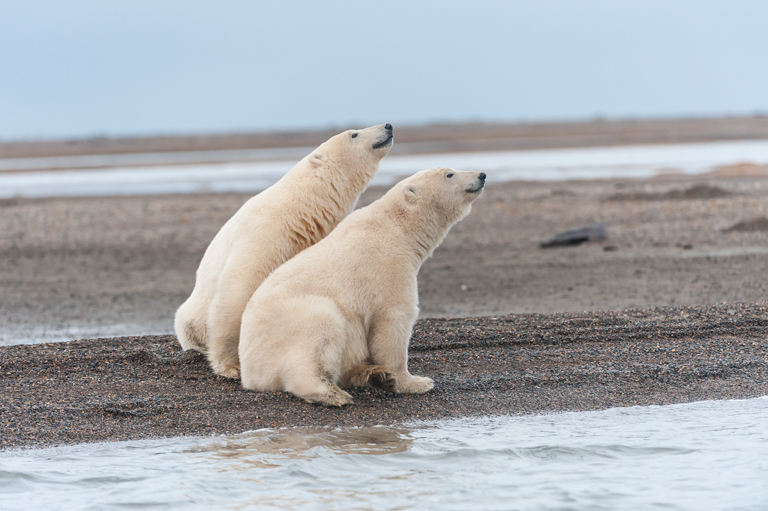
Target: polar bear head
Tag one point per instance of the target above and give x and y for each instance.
(430, 202)
(355, 148)
(446, 192)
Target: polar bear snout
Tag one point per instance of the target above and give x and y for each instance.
(478, 185)
(386, 137)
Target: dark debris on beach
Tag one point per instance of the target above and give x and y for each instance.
(146, 387)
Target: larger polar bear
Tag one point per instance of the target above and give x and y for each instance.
(341, 312)
(296, 212)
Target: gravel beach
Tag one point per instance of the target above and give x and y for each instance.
(669, 308)
(145, 387)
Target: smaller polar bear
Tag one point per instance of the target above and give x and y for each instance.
(340, 313)
(296, 212)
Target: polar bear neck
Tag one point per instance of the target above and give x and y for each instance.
(423, 231)
(314, 215)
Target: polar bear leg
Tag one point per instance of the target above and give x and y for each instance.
(223, 338)
(224, 317)
(236, 284)
(389, 347)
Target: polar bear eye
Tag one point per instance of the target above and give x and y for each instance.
(449, 175)
(354, 135)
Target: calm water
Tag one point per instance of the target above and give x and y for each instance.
(710, 455)
(193, 173)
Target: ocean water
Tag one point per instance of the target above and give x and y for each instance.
(194, 173)
(699, 456)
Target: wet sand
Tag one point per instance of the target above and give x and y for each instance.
(145, 387)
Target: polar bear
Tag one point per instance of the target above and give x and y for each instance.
(296, 212)
(340, 313)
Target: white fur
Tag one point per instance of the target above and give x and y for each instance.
(352, 299)
(291, 215)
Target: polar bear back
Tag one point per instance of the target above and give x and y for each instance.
(361, 264)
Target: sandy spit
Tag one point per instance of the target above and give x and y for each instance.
(146, 387)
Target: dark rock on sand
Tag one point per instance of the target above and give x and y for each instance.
(755, 225)
(146, 387)
(594, 232)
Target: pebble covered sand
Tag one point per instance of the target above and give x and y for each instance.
(146, 387)
(109, 266)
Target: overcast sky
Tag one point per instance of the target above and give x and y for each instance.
(82, 68)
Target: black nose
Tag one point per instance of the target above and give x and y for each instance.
(388, 127)
(482, 177)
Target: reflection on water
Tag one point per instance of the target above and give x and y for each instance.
(711, 455)
(268, 448)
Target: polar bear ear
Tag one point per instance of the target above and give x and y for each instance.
(317, 159)
(411, 193)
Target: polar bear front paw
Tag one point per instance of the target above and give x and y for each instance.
(415, 385)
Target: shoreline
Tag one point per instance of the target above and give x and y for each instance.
(418, 139)
(145, 387)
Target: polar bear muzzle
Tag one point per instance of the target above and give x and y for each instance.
(477, 185)
(385, 139)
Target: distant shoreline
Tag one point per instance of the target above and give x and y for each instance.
(426, 138)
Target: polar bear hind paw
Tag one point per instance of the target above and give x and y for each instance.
(334, 397)
(232, 372)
